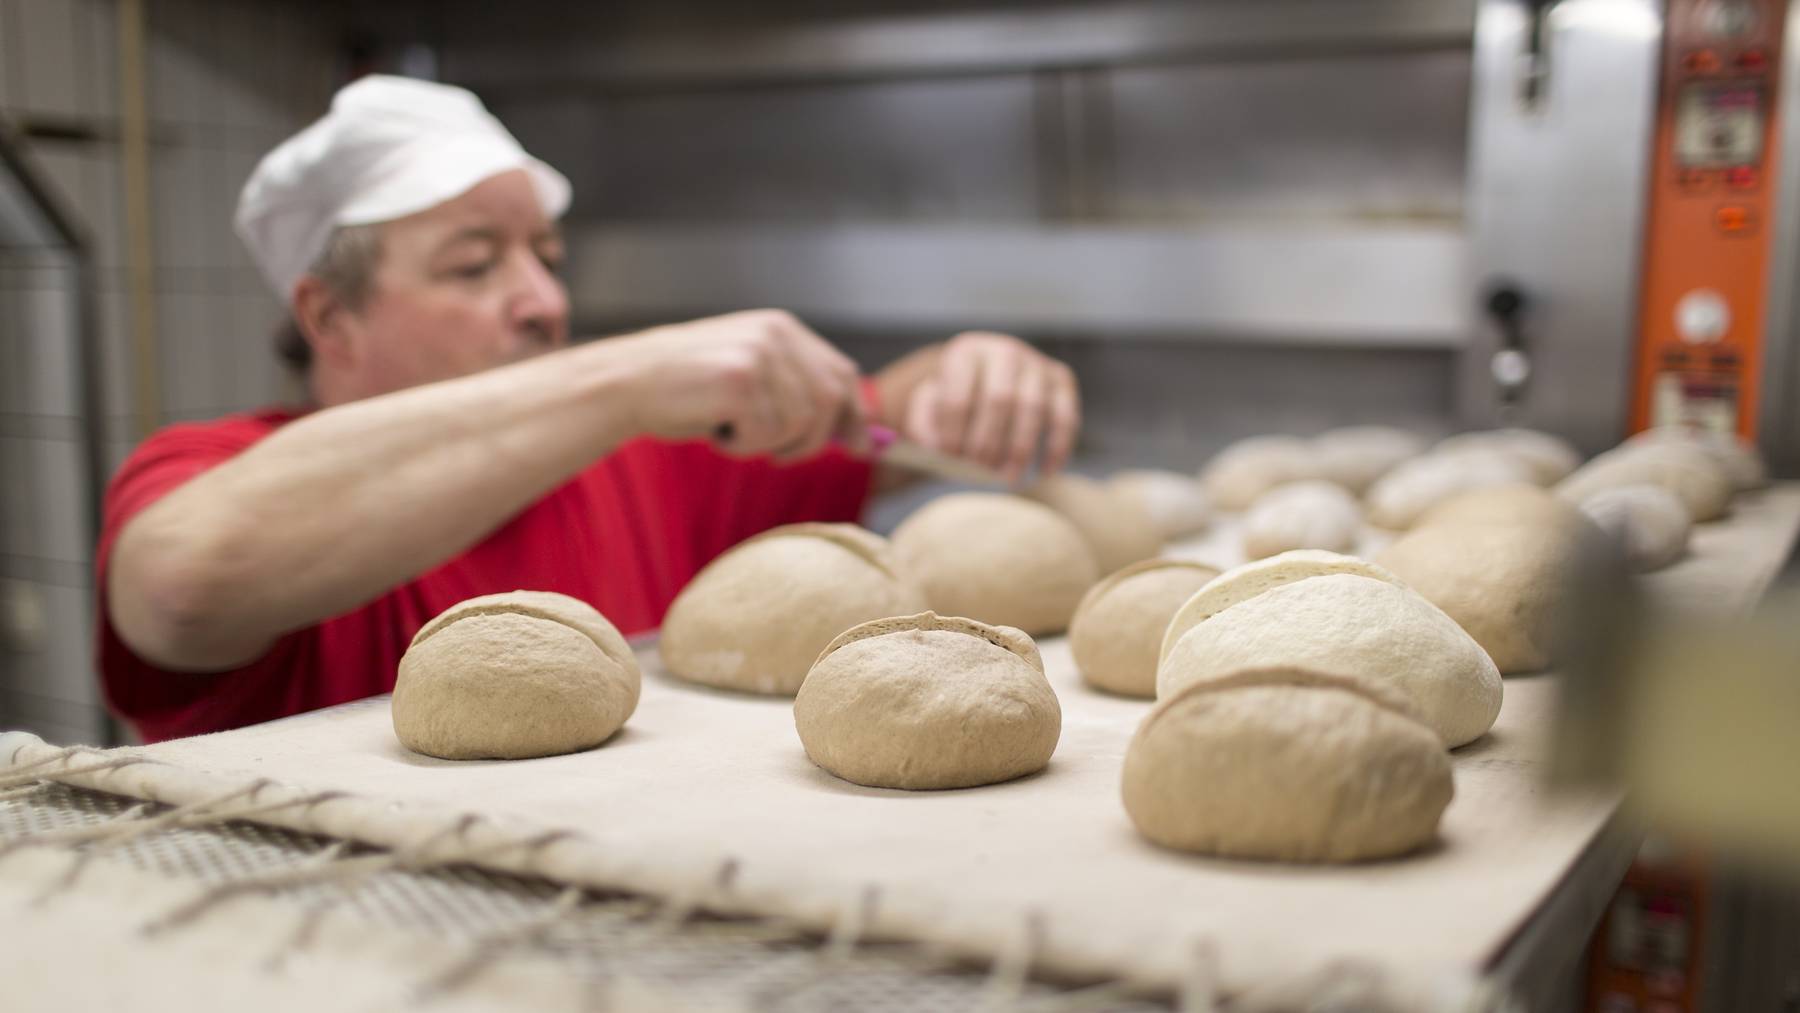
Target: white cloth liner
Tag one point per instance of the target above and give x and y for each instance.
(708, 797)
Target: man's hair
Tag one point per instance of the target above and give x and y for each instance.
(347, 267)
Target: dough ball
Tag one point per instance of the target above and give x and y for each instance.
(928, 702)
(1680, 467)
(1355, 627)
(1175, 502)
(1519, 503)
(1118, 629)
(1740, 459)
(1355, 456)
(1286, 765)
(509, 676)
(1000, 559)
(756, 617)
(1301, 515)
(1548, 458)
(1509, 584)
(1116, 526)
(1646, 522)
(1237, 475)
(1399, 498)
(1246, 582)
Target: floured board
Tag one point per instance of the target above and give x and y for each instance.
(709, 796)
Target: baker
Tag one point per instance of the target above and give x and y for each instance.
(457, 444)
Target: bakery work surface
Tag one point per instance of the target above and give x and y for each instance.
(706, 802)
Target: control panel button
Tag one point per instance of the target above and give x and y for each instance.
(1754, 61)
(1735, 218)
(1742, 177)
(1693, 180)
(1701, 61)
(1702, 317)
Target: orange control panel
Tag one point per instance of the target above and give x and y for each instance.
(1711, 203)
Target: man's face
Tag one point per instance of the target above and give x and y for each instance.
(463, 287)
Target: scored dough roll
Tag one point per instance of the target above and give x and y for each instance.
(1237, 475)
(1175, 502)
(1288, 765)
(922, 702)
(1702, 485)
(998, 559)
(1118, 628)
(511, 676)
(755, 618)
(1117, 527)
(1511, 584)
(1546, 457)
(1738, 457)
(1301, 515)
(1647, 523)
(1355, 627)
(1404, 494)
(1356, 456)
(1245, 582)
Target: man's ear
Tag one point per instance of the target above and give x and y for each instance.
(324, 321)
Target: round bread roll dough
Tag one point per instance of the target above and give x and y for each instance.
(1313, 514)
(997, 558)
(1286, 765)
(1740, 459)
(1549, 458)
(928, 702)
(1246, 582)
(1118, 628)
(1351, 626)
(756, 617)
(1398, 498)
(1510, 585)
(1519, 503)
(1647, 522)
(1250, 467)
(1680, 467)
(1116, 526)
(1355, 456)
(1175, 502)
(509, 676)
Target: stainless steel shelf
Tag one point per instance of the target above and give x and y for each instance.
(1389, 285)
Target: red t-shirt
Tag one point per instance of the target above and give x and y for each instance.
(623, 535)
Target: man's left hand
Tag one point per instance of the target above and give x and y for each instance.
(992, 399)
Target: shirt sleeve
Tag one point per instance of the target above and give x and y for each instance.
(159, 703)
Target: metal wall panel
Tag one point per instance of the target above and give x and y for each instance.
(933, 149)
(1556, 204)
(1357, 136)
(1778, 430)
(1372, 286)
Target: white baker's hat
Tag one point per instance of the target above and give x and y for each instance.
(389, 147)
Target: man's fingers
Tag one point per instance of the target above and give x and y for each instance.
(920, 424)
(828, 399)
(1064, 417)
(1028, 417)
(996, 396)
(959, 372)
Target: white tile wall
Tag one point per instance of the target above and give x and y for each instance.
(58, 470)
(51, 59)
(47, 335)
(227, 80)
(97, 33)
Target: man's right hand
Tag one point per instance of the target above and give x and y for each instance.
(758, 382)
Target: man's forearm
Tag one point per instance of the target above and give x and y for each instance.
(335, 508)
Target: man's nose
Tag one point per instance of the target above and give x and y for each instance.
(538, 302)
